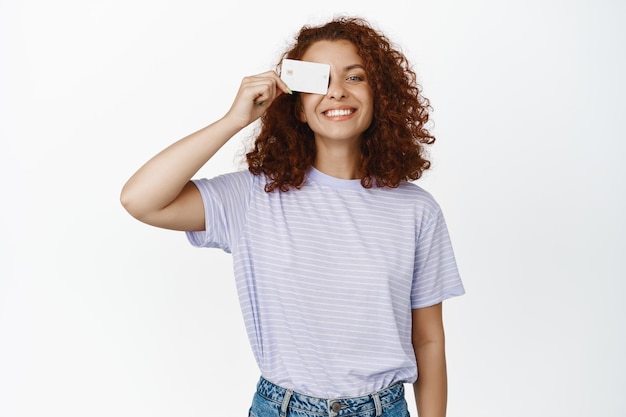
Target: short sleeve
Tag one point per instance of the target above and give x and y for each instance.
(435, 273)
(225, 199)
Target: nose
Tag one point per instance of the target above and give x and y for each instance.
(336, 89)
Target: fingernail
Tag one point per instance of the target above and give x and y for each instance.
(289, 91)
(259, 103)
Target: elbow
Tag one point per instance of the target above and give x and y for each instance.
(432, 338)
(431, 345)
(131, 203)
(125, 199)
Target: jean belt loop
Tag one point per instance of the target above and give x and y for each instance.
(377, 404)
(285, 404)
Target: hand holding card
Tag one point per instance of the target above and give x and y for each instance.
(304, 76)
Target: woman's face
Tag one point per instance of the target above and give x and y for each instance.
(346, 110)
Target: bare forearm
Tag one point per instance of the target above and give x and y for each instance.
(160, 180)
(431, 387)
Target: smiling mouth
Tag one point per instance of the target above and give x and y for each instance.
(338, 113)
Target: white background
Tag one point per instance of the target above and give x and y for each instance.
(101, 315)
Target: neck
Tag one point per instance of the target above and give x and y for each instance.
(339, 161)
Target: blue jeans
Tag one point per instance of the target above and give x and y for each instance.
(270, 400)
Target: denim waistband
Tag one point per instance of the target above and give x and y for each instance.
(338, 407)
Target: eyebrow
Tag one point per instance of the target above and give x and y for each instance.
(354, 66)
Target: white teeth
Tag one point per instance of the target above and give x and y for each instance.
(336, 113)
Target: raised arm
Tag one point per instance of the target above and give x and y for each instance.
(431, 387)
(160, 192)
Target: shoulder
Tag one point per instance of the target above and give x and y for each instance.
(229, 184)
(416, 196)
(231, 178)
(241, 175)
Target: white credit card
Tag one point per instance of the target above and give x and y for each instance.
(305, 76)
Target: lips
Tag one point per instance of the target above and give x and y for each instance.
(338, 112)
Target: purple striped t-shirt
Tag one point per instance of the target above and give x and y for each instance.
(327, 276)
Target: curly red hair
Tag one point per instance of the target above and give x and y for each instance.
(393, 147)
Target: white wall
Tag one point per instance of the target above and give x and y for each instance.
(101, 315)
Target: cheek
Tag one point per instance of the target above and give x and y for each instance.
(302, 109)
(369, 103)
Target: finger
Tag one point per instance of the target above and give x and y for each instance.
(282, 86)
(265, 92)
(257, 90)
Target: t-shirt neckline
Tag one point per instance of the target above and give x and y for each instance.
(319, 177)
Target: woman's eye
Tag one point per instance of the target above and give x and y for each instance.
(356, 78)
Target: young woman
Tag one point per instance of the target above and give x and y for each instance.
(341, 262)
